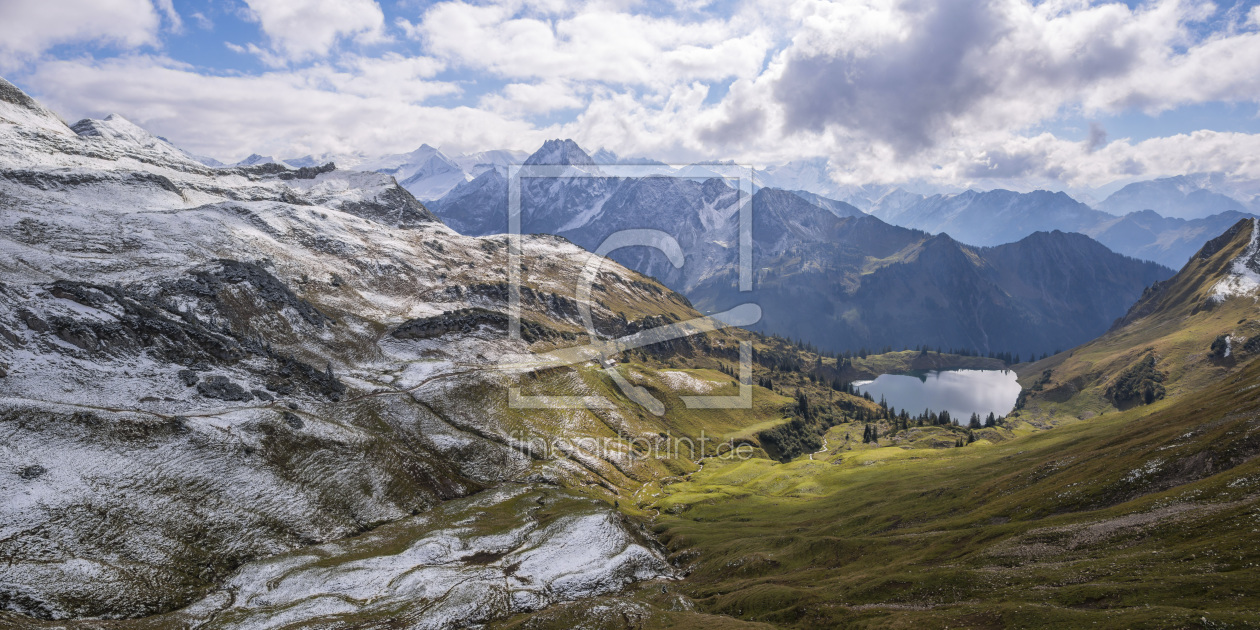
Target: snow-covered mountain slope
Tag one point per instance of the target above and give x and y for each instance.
(427, 172)
(121, 131)
(585, 205)
(469, 561)
(204, 367)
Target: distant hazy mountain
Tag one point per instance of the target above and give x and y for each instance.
(427, 172)
(838, 208)
(1169, 241)
(481, 161)
(814, 175)
(1002, 216)
(989, 218)
(604, 156)
(476, 207)
(255, 159)
(1184, 196)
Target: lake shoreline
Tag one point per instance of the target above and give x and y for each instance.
(961, 392)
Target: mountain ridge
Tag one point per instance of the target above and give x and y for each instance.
(835, 246)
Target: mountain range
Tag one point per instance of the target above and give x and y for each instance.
(1001, 216)
(1163, 220)
(852, 282)
(826, 272)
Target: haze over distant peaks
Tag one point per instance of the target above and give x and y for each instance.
(1194, 196)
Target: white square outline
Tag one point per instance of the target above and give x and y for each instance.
(743, 175)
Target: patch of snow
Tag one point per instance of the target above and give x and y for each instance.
(1137, 474)
(444, 576)
(682, 381)
(1243, 278)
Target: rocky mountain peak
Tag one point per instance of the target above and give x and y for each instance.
(560, 152)
(116, 128)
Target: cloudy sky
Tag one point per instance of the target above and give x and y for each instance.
(958, 92)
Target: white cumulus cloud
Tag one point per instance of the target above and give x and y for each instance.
(304, 29)
(29, 28)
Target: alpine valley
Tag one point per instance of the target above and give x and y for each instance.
(288, 394)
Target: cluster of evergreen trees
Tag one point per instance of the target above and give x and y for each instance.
(811, 420)
(870, 434)
(1140, 383)
(959, 443)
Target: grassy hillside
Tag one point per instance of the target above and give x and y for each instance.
(1143, 516)
(1176, 323)
(1139, 520)
(1138, 510)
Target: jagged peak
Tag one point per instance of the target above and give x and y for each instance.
(605, 156)
(560, 152)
